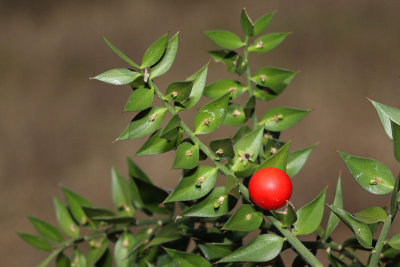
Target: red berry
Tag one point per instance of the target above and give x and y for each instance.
(270, 188)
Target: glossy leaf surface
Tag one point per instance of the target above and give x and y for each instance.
(168, 59)
(122, 248)
(286, 217)
(372, 175)
(170, 130)
(223, 148)
(360, 229)
(233, 61)
(143, 123)
(179, 91)
(155, 52)
(46, 229)
(240, 133)
(282, 118)
(297, 159)
(246, 218)
(386, 114)
(186, 156)
(222, 87)
(217, 203)
(140, 99)
(36, 241)
(247, 24)
(64, 219)
(371, 215)
(118, 76)
(199, 81)
(309, 217)
(394, 242)
(224, 39)
(235, 115)
(184, 259)
(121, 195)
(263, 248)
(277, 160)
(156, 145)
(334, 220)
(262, 23)
(194, 184)
(210, 116)
(267, 42)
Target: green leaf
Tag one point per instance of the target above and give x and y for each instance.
(122, 247)
(244, 219)
(199, 80)
(232, 186)
(118, 76)
(267, 42)
(62, 261)
(168, 233)
(210, 116)
(114, 220)
(46, 229)
(309, 216)
(144, 123)
(64, 219)
(244, 192)
(297, 159)
(216, 204)
(106, 259)
(271, 82)
(247, 24)
(240, 133)
(140, 99)
(153, 197)
(224, 39)
(184, 259)
(179, 91)
(386, 114)
(372, 175)
(36, 241)
(396, 139)
(194, 184)
(78, 258)
(121, 194)
(222, 148)
(394, 203)
(96, 250)
(287, 217)
(135, 171)
(277, 160)
(186, 156)
(233, 61)
(168, 59)
(334, 220)
(154, 52)
(157, 145)
(394, 242)
(371, 215)
(248, 145)
(235, 115)
(261, 23)
(222, 87)
(75, 203)
(263, 248)
(120, 54)
(96, 212)
(170, 130)
(360, 229)
(213, 251)
(282, 118)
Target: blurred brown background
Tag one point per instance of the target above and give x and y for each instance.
(57, 126)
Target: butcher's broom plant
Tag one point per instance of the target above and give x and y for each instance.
(201, 224)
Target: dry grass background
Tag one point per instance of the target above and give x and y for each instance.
(57, 125)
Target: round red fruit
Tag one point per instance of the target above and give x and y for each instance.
(270, 188)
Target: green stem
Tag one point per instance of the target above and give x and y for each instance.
(379, 244)
(332, 246)
(296, 243)
(249, 86)
(191, 134)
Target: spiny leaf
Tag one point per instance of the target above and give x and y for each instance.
(118, 76)
(64, 219)
(210, 116)
(267, 42)
(282, 118)
(120, 54)
(155, 52)
(334, 220)
(261, 23)
(168, 59)
(244, 219)
(224, 39)
(140, 99)
(46, 229)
